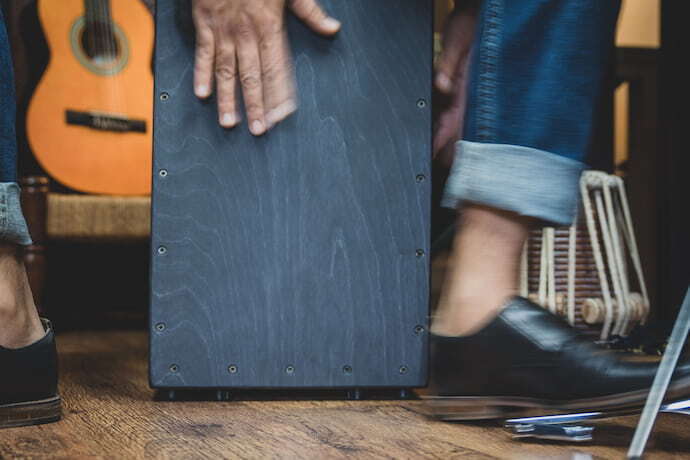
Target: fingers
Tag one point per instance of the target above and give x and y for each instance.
(457, 41)
(448, 60)
(445, 70)
(314, 16)
(249, 63)
(226, 84)
(203, 58)
(451, 118)
(278, 78)
(244, 44)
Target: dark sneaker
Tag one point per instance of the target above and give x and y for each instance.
(528, 360)
(28, 383)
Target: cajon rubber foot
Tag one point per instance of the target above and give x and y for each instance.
(222, 395)
(354, 395)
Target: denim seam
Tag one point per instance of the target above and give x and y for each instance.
(488, 71)
(13, 227)
(3, 216)
(527, 181)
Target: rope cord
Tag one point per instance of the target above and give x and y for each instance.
(632, 245)
(542, 270)
(590, 177)
(571, 273)
(551, 263)
(599, 203)
(607, 194)
(617, 268)
(524, 286)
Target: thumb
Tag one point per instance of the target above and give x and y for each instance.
(446, 66)
(314, 16)
(457, 41)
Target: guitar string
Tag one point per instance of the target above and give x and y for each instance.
(117, 54)
(110, 53)
(110, 56)
(104, 52)
(111, 45)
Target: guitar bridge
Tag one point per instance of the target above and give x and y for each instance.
(104, 122)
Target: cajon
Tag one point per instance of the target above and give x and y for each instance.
(299, 259)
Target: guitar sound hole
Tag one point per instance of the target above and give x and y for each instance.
(100, 44)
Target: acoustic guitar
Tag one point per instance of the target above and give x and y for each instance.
(89, 122)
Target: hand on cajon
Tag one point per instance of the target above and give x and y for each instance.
(246, 40)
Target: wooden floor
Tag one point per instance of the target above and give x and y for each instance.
(110, 412)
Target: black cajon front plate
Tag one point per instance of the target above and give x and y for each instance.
(298, 259)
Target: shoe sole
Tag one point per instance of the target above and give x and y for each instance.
(459, 408)
(30, 412)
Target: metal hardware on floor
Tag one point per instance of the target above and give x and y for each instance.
(554, 432)
(571, 428)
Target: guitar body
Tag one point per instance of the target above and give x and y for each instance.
(89, 123)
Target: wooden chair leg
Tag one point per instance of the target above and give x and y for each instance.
(34, 205)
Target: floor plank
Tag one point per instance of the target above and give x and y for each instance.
(110, 412)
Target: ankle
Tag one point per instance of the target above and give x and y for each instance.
(13, 291)
(19, 321)
(467, 316)
(483, 271)
(19, 327)
(10, 307)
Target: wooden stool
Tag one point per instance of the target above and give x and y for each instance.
(60, 216)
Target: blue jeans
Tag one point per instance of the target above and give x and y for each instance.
(13, 227)
(536, 75)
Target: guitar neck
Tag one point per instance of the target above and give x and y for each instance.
(99, 28)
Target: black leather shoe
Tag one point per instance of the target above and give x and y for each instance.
(528, 360)
(28, 383)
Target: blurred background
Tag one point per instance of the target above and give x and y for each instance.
(89, 263)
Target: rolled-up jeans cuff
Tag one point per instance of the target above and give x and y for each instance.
(527, 181)
(13, 228)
